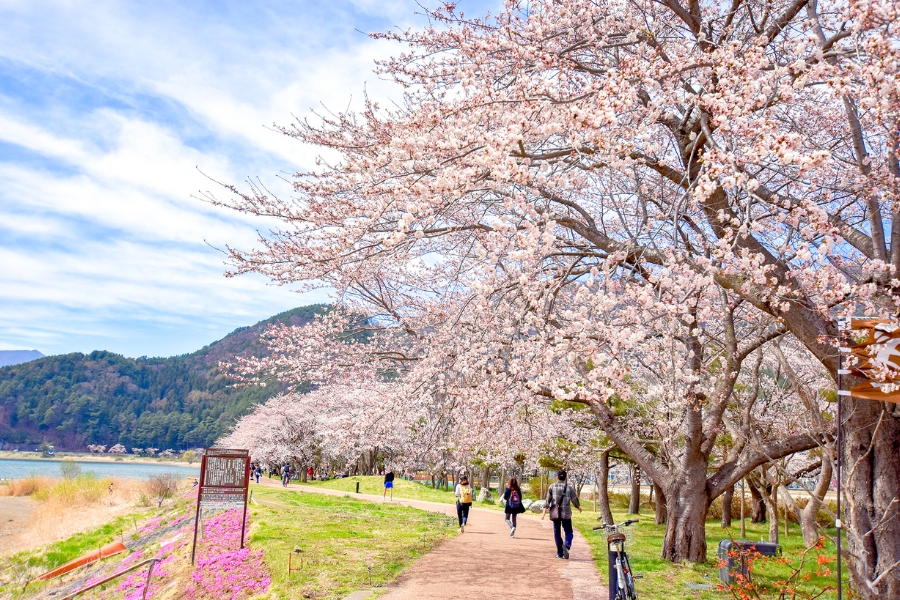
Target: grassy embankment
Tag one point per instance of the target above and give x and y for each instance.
(345, 544)
(15, 570)
(61, 508)
(662, 579)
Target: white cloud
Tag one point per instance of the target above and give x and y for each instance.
(106, 111)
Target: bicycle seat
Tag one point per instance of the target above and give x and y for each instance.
(615, 537)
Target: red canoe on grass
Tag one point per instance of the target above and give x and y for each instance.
(94, 555)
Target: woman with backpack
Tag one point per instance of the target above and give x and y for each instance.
(463, 501)
(513, 497)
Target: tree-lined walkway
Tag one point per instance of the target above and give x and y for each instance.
(485, 562)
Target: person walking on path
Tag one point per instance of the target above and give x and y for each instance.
(560, 498)
(388, 484)
(285, 475)
(463, 502)
(513, 497)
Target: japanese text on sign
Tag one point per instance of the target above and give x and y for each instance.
(224, 471)
(215, 499)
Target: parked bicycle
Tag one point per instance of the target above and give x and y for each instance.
(620, 571)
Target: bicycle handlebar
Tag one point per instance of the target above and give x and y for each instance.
(627, 523)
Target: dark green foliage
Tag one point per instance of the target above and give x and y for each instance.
(103, 398)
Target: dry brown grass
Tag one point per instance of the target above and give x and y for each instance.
(66, 507)
(26, 486)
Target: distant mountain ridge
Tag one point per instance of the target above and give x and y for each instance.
(73, 400)
(16, 357)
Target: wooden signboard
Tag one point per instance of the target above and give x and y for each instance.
(224, 483)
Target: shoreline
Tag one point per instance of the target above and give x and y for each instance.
(97, 458)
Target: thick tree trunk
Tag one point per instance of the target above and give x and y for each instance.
(660, 504)
(727, 497)
(486, 478)
(634, 505)
(686, 506)
(871, 474)
(757, 506)
(603, 486)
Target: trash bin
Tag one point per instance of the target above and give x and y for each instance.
(742, 546)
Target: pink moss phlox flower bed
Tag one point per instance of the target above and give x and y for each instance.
(223, 569)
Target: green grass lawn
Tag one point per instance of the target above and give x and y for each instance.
(410, 490)
(663, 579)
(345, 544)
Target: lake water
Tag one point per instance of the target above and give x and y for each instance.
(13, 468)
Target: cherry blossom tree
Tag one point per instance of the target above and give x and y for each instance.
(568, 187)
(118, 449)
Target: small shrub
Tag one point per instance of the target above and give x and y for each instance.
(69, 469)
(84, 489)
(534, 487)
(160, 488)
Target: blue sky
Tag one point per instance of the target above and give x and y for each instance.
(108, 110)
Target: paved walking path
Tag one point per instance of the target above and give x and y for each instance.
(484, 562)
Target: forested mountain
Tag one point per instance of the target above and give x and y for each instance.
(72, 400)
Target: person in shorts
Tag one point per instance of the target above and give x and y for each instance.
(388, 484)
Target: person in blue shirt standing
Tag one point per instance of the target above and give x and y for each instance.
(561, 496)
(388, 484)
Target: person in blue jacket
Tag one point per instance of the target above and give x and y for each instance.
(512, 495)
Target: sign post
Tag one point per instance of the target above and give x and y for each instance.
(224, 483)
